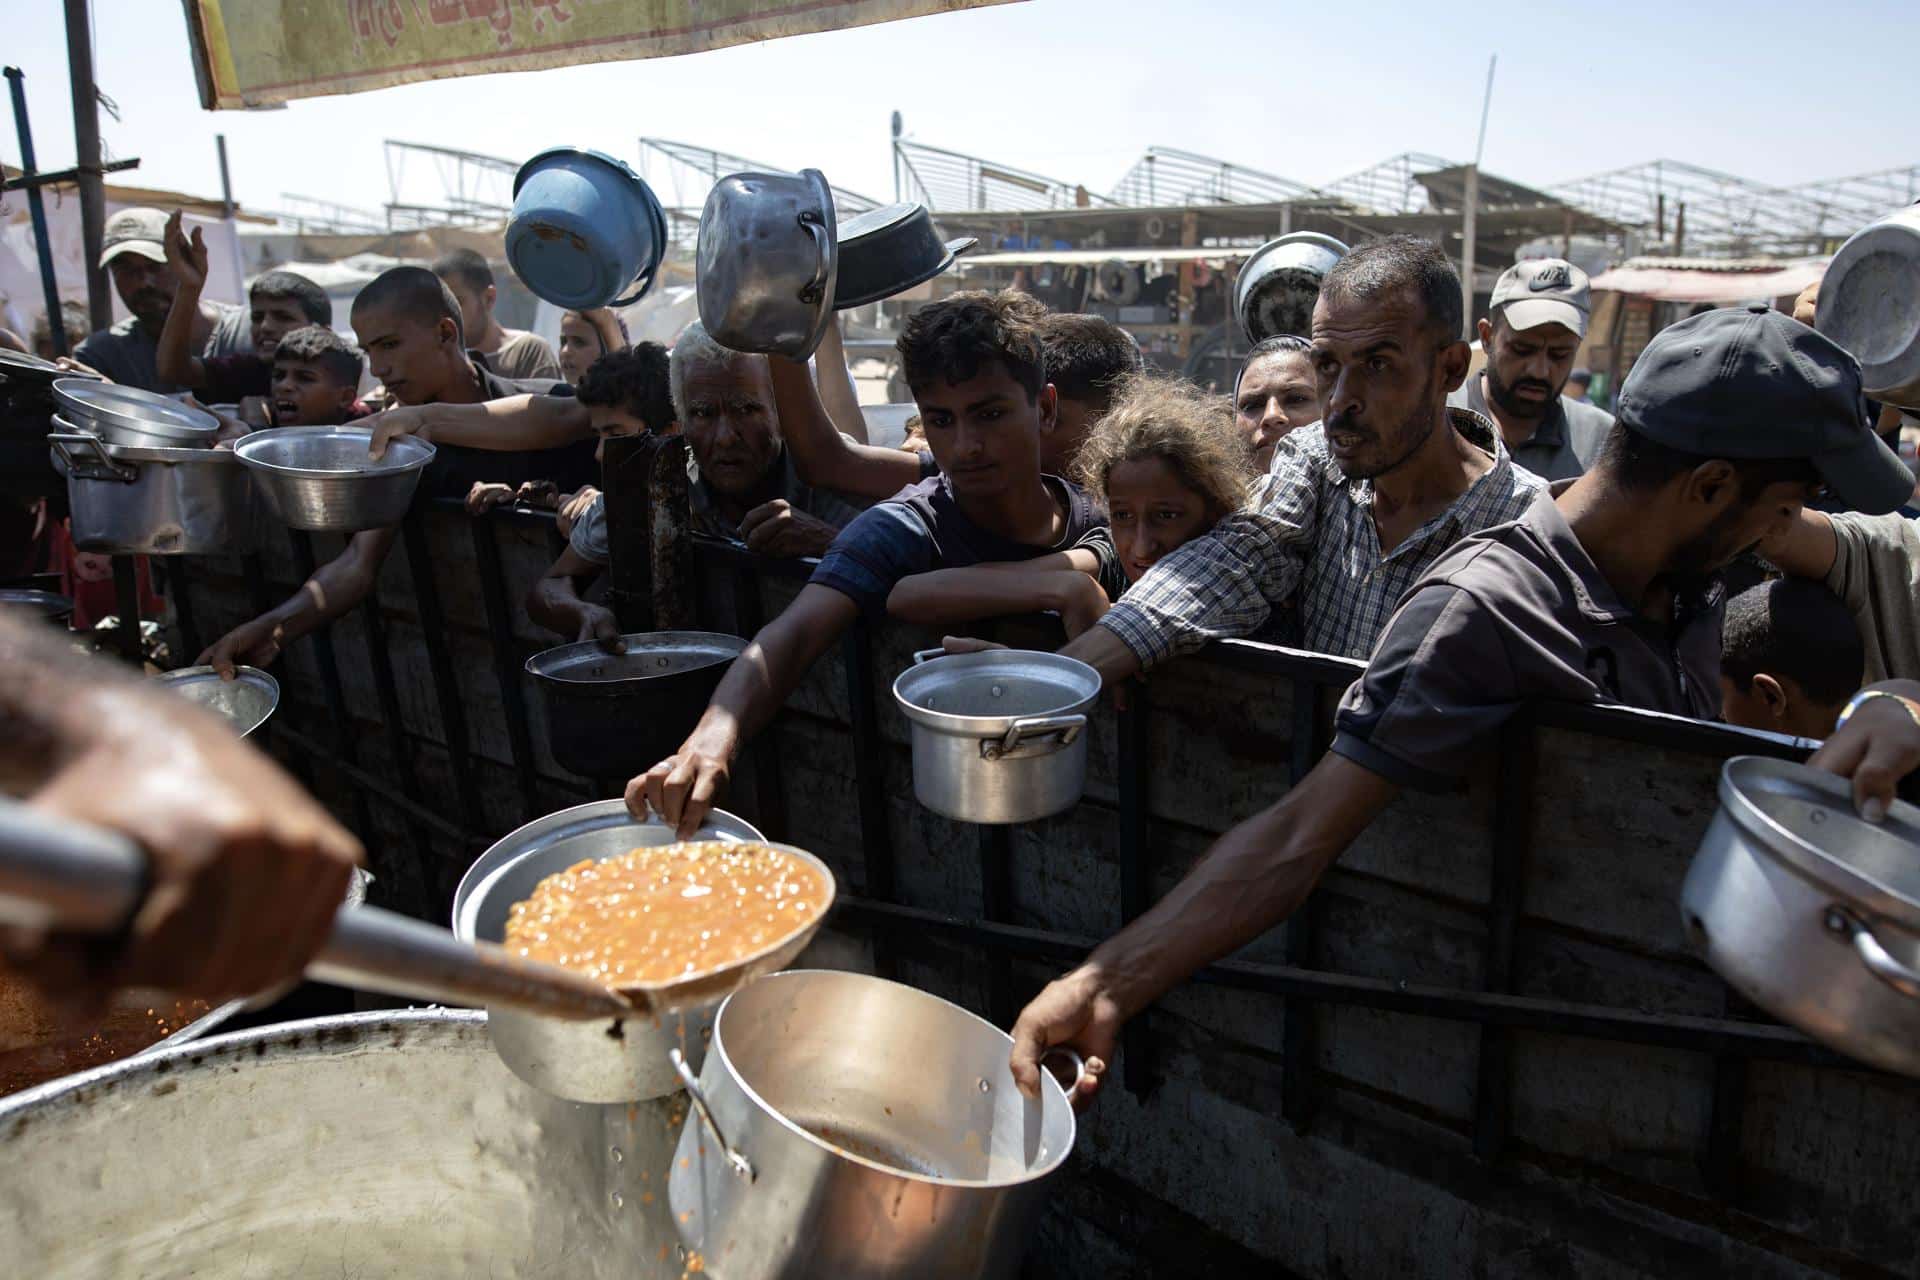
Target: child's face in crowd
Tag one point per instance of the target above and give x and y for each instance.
(306, 395)
(985, 432)
(273, 319)
(1072, 419)
(409, 356)
(1776, 703)
(1151, 513)
(611, 421)
(730, 423)
(579, 346)
(1277, 394)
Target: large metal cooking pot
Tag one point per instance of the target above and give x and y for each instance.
(998, 736)
(1811, 912)
(1279, 284)
(387, 1144)
(612, 715)
(245, 702)
(849, 1127)
(130, 416)
(580, 1060)
(138, 500)
(767, 261)
(321, 478)
(1870, 304)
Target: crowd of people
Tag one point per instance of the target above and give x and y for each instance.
(1481, 538)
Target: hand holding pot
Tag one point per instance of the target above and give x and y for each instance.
(406, 420)
(777, 528)
(1073, 1012)
(1877, 746)
(682, 789)
(598, 624)
(254, 644)
(573, 509)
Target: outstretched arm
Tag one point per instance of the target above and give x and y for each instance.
(333, 590)
(836, 384)
(820, 454)
(174, 359)
(517, 422)
(684, 786)
(1059, 584)
(555, 602)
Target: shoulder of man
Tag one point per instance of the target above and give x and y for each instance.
(1587, 428)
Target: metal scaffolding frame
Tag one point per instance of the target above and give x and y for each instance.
(1864, 197)
(310, 215)
(1169, 176)
(1392, 186)
(954, 181)
(1679, 208)
(473, 188)
(703, 166)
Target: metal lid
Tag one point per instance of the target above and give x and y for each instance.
(107, 407)
(986, 692)
(585, 664)
(1869, 306)
(1805, 817)
(318, 453)
(73, 443)
(20, 366)
(244, 701)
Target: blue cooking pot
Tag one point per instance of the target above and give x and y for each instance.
(584, 230)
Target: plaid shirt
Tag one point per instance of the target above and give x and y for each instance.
(1308, 538)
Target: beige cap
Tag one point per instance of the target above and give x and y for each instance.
(137, 230)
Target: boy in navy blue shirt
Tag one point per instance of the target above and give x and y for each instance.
(978, 377)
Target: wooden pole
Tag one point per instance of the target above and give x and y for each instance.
(1469, 231)
(86, 143)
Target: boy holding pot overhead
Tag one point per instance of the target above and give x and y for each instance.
(978, 376)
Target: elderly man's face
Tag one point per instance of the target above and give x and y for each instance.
(730, 424)
(146, 286)
(1383, 373)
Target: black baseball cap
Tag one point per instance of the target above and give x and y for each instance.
(1752, 382)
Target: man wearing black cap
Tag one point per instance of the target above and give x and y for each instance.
(1536, 320)
(1601, 592)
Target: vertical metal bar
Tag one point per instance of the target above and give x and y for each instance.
(769, 783)
(1299, 1081)
(1727, 1117)
(1139, 1060)
(453, 717)
(181, 594)
(86, 146)
(331, 688)
(126, 594)
(411, 888)
(869, 777)
(506, 662)
(1512, 830)
(37, 212)
(996, 899)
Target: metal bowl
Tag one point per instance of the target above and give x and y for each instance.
(580, 1060)
(130, 416)
(889, 250)
(611, 715)
(48, 604)
(767, 261)
(1279, 284)
(246, 701)
(321, 479)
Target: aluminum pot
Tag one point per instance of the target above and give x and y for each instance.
(889, 250)
(1809, 911)
(580, 1060)
(998, 736)
(384, 1144)
(246, 701)
(1870, 304)
(849, 1127)
(127, 415)
(321, 479)
(1279, 284)
(612, 715)
(146, 501)
(767, 261)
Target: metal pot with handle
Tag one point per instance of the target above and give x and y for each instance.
(849, 1127)
(998, 736)
(767, 261)
(1810, 911)
(144, 500)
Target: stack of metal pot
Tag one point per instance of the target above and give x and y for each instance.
(143, 476)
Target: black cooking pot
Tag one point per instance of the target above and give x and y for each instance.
(885, 251)
(612, 715)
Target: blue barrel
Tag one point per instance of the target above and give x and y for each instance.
(585, 230)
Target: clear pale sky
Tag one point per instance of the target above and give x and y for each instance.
(1779, 92)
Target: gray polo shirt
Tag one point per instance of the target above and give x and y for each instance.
(1566, 441)
(1516, 613)
(129, 351)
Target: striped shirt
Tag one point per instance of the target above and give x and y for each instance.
(1308, 540)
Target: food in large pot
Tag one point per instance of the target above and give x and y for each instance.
(612, 715)
(148, 500)
(387, 1144)
(846, 1126)
(1812, 912)
(998, 736)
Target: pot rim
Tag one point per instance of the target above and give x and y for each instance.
(959, 726)
(717, 1052)
(91, 400)
(180, 677)
(165, 454)
(1744, 774)
(248, 445)
(636, 642)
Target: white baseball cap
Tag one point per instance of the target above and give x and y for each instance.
(1544, 291)
(137, 230)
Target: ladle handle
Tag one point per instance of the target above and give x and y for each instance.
(59, 874)
(735, 1161)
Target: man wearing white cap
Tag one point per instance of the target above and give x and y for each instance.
(1538, 317)
(133, 251)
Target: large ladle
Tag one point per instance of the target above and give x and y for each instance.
(64, 875)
